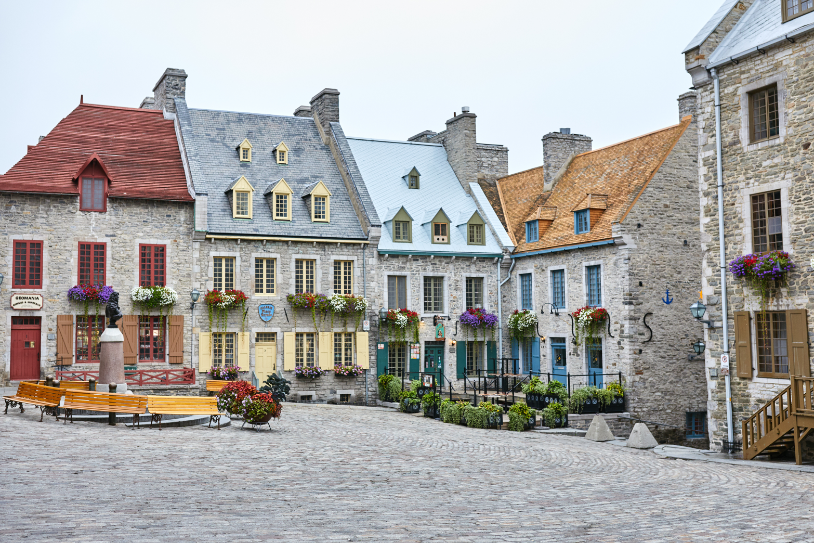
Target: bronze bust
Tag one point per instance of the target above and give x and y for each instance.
(112, 311)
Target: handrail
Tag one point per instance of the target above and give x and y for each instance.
(761, 422)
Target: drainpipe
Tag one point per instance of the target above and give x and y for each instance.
(500, 305)
(364, 295)
(722, 258)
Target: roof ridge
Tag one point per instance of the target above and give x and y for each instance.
(102, 106)
(521, 171)
(249, 113)
(395, 141)
(634, 138)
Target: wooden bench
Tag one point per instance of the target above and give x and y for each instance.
(215, 385)
(46, 398)
(102, 401)
(76, 385)
(183, 405)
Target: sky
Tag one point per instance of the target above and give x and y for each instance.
(609, 70)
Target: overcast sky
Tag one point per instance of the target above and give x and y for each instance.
(610, 70)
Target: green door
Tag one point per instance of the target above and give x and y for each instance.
(434, 359)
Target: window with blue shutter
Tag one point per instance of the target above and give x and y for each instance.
(593, 276)
(582, 221)
(558, 288)
(532, 232)
(696, 424)
(525, 291)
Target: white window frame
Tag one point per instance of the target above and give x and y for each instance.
(484, 278)
(276, 257)
(551, 285)
(520, 290)
(409, 300)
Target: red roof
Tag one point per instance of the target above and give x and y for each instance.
(137, 147)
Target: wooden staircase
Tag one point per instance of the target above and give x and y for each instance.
(782, 423)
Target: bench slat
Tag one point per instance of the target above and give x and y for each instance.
(182, 405)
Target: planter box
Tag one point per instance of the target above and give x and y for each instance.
(591, 406)
(547, 399)
(411, 408)
(532, 422)
(495, 421)
(433, 412)
(422, 390)
(534, 401)
(560, 423)
(617, 405)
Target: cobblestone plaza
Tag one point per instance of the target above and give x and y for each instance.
(338, 473)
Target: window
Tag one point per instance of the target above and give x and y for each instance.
(474, 292)
(242, 205)
(396, 358)
(440, 232)
(224, 277)
(593, 278)
(304, 276)
(88, 330)
(304, 349)
(396, 292)
(526, 349)
(764, 119)
(582, 221)
(475, 234)
(92, 264)
(525, 291)
(27, 264)
(532, 231)
(343, 276)
(151, 339)
(474, 357)
(264, 276)
(223, 351)
(413, 181)
(152, 265)
(343, 348)
(558, 288)
(767, 222)
(245, 151)
(795, 8)
(696, 425)
(281, 207)
(92, 194)
(244, 155)
(594, 353)
(319, 208)
(265, 337)
(401, 231)
(772, 344)
(433, 295)
(281, 158)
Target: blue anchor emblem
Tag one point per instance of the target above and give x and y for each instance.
(667, 300)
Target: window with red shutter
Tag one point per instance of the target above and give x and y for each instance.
(152, 265)
(88, 331)
(92, 194)
(151, 339)
(27, 264)
(92, 263)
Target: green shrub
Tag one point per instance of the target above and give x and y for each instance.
(389, 388)
(451, 412)
(519, 415)
(430, 400)
(580, 396)
(553, 411)
(408, 397)
(535, 386)
(555, 387)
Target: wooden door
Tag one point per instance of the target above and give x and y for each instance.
(25, 348)
(559, 368)
(265, 355)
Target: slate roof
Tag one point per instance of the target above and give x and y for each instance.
(138, 148)
(382, 164)
(621, 171)
(761, 24)
(211, 138)
(712, 24)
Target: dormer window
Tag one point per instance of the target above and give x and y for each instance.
(401, 231)
(319, 207)
(281, 210)
(245, 151)
(92, 194)
(280, 200)
(440, 232)
(413, 179)
(795, 8)
(532, 232)
(282, 153)
(241, 191)
(242, 204)
(474, 229)
(582, 221)
(402, 225)
(318, 197)
(588, 211)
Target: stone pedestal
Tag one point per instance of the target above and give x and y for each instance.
(111, 361)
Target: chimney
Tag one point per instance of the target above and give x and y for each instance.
(303, 111)
(325, 108)
(172, 84)
(147, 103)
(558, 149)
(460, 143)
(687, 104)
(422, 137)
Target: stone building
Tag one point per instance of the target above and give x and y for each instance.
(759, 52)
(612, 228)
(101, 200)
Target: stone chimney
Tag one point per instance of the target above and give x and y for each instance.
(172, 84)
(147, 103)
(303, 111)
(687, 104)
(559, 148)
(461, 146)
(325, 109)
(423, 137)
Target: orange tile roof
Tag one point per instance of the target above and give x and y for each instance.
(615, 176)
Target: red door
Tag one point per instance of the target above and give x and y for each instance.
(25, 348)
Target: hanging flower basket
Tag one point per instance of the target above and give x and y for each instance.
(399, 321)
(220, 303)
(317, 303)
(348, 371)
(589, 322)
(478, 319)
(90, 294)
(148, 298)
(225, 374)
(522, 323)
(309, 372)
(765, 273)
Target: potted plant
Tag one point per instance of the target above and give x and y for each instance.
(309, 372)
(277, 386)
(585, 400)
(452, 412)
(486, 415)
(474, 319)
(148, 298)
(398, 322)
(534, 391)
(555, 415)
(409, 402)
(521, 323)
(389, 388)
(589, 322)
(555, 392)
(318, 304)
(90, 294)
(219, 303)
(519, 416)
(260, 408)
(230, 373)
(348, 371)
(345, 304)
(614, 399)
(231, 396)
(431, 402)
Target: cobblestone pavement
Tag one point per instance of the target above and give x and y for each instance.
(337, 473)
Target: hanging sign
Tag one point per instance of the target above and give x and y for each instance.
(26, 301)
(439, 331)
(266, 312)
(366, 326)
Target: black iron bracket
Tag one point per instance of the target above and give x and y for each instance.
(286, 315)
(609, 322)
(573, 332)
(644, 320)
(541, 336)
(456, 329)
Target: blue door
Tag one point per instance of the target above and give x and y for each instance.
(558, 367)
(595, 363)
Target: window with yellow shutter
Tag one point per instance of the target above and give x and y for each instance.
(343, 348)
(305, 349)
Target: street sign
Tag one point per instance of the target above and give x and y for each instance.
(266, 312)
(724, 361)
(366, 326)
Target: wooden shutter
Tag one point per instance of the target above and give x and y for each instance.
(381, 359)
(491, 355)
(64, 340)
(743, 344)
(799, 361)
(243, 356)
(204, 352)
(460, 359)
(289, 361)
(176, 339)
(414, 364)
(128, 325)
(363, 350)
(535, 354)
(326, 348)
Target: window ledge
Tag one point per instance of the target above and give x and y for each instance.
(765, 143)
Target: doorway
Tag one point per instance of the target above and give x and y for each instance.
(595, 374)
(25, 348)
(558, 360)
(434, 358)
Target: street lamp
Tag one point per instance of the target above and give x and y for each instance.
(382, 314)
(697, 310)
(194, 295)
(699, 346)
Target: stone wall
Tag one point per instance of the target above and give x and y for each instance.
(462, 152)
(57, 221)
(173, 83)
(558, 148)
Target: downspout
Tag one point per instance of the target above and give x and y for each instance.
(364, 295)
(722, 258)
(500, 305)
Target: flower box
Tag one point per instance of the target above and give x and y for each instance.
(549, 398)
(591, 405)
(495, 421)
(560, 422)
(432, 412)
(309, 372)
(616, 405)
(347, 371)
(410, 406)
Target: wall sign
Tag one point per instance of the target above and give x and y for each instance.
(439, 331)
(266, 312)
(26, 301)
(366, 326)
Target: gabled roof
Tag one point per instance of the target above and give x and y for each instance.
(137, 148)
(284, 188)
(712, 24)
(308, 189)
(83, 167)
(237, 181)
(613, 176)
(391, 213)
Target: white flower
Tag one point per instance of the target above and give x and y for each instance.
(361, 303)
(401, 320)
(338, 303)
